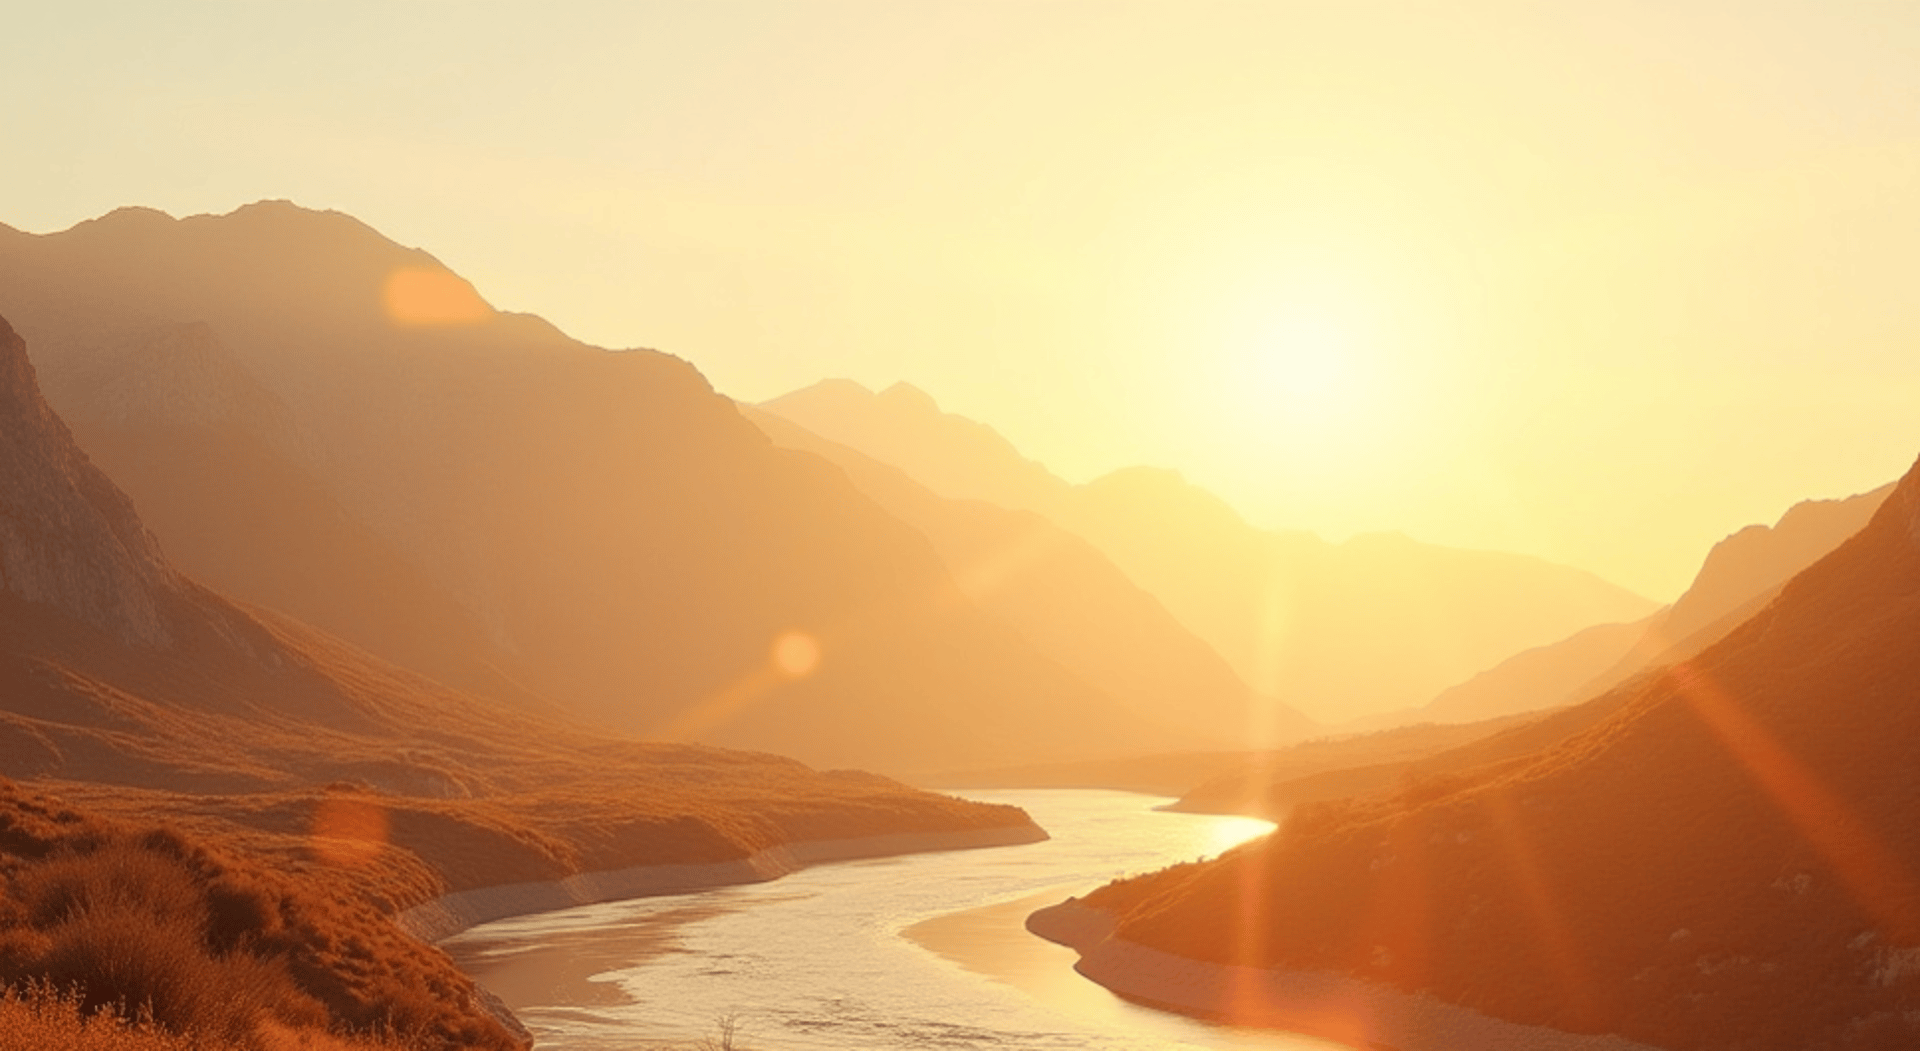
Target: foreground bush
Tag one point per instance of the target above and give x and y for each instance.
(101, 922)
(37, 1017)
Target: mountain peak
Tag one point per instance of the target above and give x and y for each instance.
(131, 214)
(951, 454)
(907, 396)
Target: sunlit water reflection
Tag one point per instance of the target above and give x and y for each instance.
(894, 954)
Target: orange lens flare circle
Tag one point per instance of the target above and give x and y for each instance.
(348, 832)
(795, 654)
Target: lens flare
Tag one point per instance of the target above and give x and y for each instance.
(1871, 872)
(348, 831)
(796, 654)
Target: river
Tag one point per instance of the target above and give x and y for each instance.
(893, 954)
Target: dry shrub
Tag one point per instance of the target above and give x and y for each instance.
(130, 926)
(41, 1017)
(155, 968)
(148, 925)
(119, 875)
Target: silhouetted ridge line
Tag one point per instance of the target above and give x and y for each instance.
(475, 496)
(1336, 631)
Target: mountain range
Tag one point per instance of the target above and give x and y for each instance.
(1337, 631)
(477, 497)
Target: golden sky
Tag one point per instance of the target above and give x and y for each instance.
(1597, 281)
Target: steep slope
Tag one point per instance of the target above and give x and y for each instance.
(1740, 576)
(209, 456)
(374, 797)
(1070, 602)
(68, 539)
(616, 536)
(117, 670)
(1727, 861)
(1338, 631)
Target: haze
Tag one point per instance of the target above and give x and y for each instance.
(1507, 276)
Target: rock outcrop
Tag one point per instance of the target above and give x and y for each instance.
(68, 538)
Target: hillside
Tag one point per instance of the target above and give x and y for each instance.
(1725, 861)
(1337, 631)
(222, 951)
(127, 686)
(1740, 575)
(475, 496)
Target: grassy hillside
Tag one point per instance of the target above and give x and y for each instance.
(1725, 861)
(159, 925)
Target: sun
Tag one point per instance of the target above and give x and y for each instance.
(1302, 371)
(1305, 364)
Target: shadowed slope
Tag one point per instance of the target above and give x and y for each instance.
(68, 538)
(119, 670)
(210, 457)
(1728, 860)
(592, 527)
(1334, 630)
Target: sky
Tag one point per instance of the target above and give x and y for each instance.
(1597, 282)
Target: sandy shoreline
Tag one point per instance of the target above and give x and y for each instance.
(1322, 1003)
(452, 913)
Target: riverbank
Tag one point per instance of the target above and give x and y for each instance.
(449, 914)
(822, 958)
(1336, 1006)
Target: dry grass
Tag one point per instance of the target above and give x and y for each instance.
(172, 939)
(40, 1017)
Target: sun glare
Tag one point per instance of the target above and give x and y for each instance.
(1304, 362)
(1300, 372)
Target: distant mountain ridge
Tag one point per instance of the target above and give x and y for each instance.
(1066, 598)
(954, 456)
(1740, 575)
(1336, 630)
(475, 495)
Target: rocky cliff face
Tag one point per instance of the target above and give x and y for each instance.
(68, 538)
